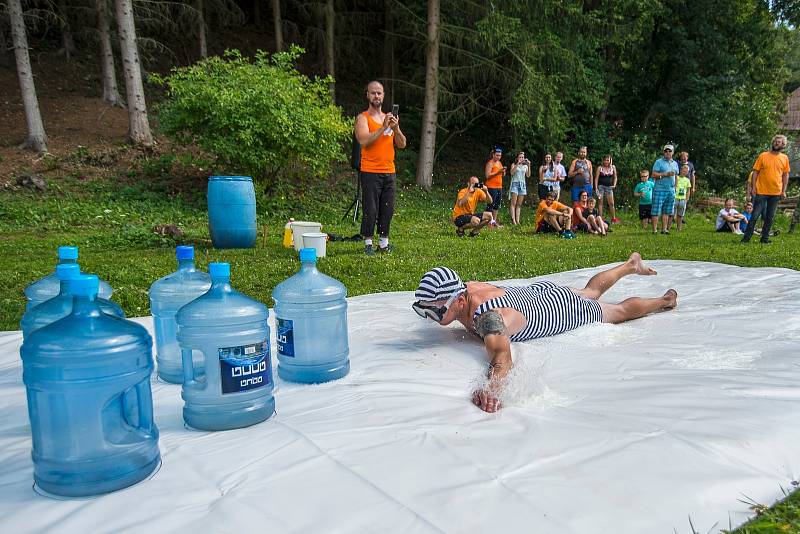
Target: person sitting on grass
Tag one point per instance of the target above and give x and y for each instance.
(595, 219)
(585, 216)
(728, 219)
(500, 315)
(553, 216)
(644, 190)
(464, 212)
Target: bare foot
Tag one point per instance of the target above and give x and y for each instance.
(638, 265)
(671, 299)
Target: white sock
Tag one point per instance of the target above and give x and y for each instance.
(383, 242)
(367, 242)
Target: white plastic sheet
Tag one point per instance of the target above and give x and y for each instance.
(632, 428)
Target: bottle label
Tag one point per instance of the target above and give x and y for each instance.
(245, 367)
(285, 338)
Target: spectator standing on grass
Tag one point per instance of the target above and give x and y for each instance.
(520, 171)
(560, 174)
(665, 169)
(644, 191)
(770, 179)
(547, 177)
(605, 180)
(465, 214)
(683, 159)
(580, 170)
(494, 172)
(728, 219)
(378, 133)
(683, 191)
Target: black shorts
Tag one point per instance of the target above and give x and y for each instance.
(582, 227)
(497, 198)
(545, 228)
(724, 228)
(461, 220)
(645, 211)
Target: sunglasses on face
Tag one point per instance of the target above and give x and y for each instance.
(429, 310)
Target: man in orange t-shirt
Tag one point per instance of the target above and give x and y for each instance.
(770, 179)
(464, 214)
(553, 216)
(378, 133)
(494, 172)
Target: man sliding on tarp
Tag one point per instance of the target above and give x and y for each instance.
(500, 315)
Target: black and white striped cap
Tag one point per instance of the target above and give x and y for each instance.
(439, 283)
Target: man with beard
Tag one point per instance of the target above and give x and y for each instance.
(770, 179)
(378, 133)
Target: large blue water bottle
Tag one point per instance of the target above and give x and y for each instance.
(60, 306)
(230, 329)
(49, 286)
(311, 323)
(167, 295)
(89, 401)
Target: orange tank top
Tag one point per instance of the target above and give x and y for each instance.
(495, 182)
(379, 156)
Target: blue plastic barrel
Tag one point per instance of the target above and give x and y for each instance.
(87, 378)
(232, 211)
(311, 323)
(231, 331)
(167, 296)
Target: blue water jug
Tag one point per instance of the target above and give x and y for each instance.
(91, 411)
(167, 295)
(60, 306)
(311, 325)
(232, 211)
(49, 286)
(230, 329)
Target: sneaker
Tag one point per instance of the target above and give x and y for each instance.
(738, 232)
(369, 250)
(775, 232)
(745, 240)
(665, 232)
(387, 249)
(459, 232)
(615, 220)
(766, 241)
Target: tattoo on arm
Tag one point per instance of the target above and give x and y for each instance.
(490, 322)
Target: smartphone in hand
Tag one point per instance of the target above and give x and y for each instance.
(395, 109)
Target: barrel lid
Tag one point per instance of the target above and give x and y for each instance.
(230, 179)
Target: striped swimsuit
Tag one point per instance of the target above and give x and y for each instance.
(549, 309)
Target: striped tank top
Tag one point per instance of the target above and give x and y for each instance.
(548, 308)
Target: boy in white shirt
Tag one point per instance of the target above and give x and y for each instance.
(728, 218)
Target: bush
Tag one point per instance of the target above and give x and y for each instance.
(256, 117)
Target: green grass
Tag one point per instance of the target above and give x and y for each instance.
(112, 220)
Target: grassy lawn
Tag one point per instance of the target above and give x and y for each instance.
(111, 221)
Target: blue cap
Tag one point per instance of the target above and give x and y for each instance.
(67, 271)
(67, 253)
(84, 285)
(498, 149)
(219, 270)
(308, 254)
(184, 252)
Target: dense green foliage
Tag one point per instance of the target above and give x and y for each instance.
(256, 117)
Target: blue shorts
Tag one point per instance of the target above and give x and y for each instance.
(576, 191)
(517, 187)
(663, 203)
(605, 190)
(497, 198)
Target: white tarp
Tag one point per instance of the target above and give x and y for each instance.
(627, 429)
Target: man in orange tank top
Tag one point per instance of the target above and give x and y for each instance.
(378, 133)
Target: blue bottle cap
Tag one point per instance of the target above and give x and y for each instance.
(67, 271)
(219, 270)
(84, 285)
(67, 253)
(308, 254)
(184, 252)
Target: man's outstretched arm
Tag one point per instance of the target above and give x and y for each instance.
(498, 347)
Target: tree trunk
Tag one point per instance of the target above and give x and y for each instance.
(330, 57)
(110, 90)
(5, 60)
(138, 124)
(278, 24)
(427, 148)
(257, 13)
(37, 139)
(388, 52)
(201, 28)
(67, 41)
